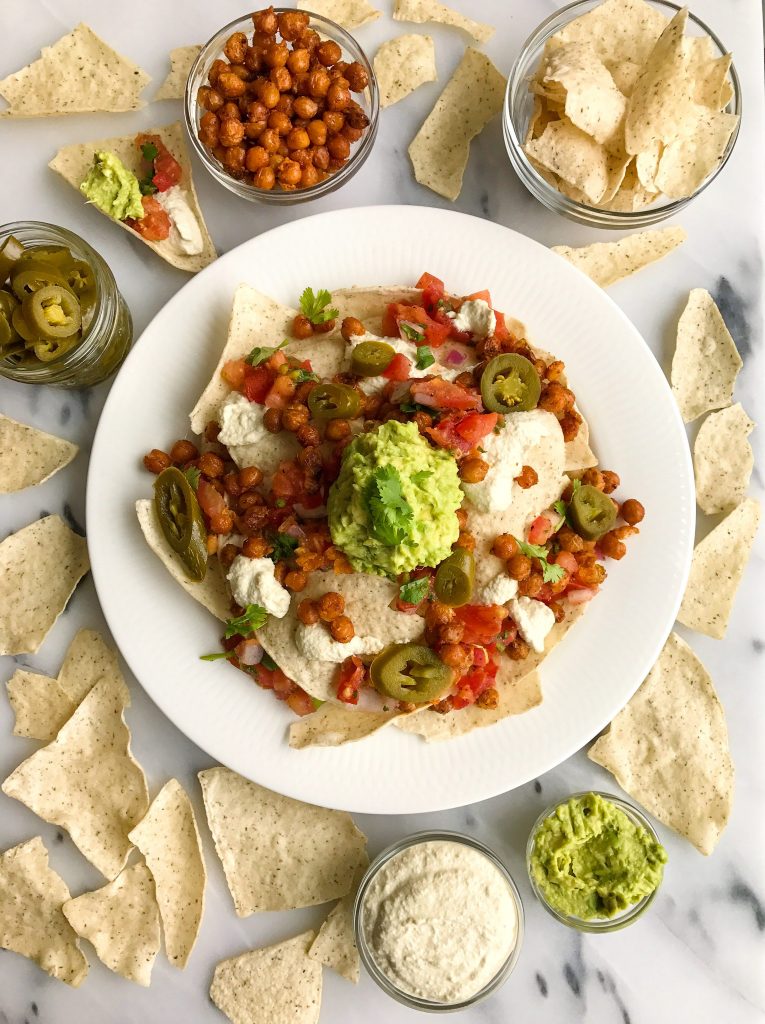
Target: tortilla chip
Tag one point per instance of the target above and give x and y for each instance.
(402, 65)
(366, 603)
(278, 853)
(669, 748)
(608, 262)
(592, 100)
(31, 922)
(578, 455)
(646, 166)
(706, 362)
(708, 74)
(181, 60)
(661, 99)
(625, 74)
(348, 13)
(687, 162)
(335, 945)
(333, 725)
(40, 565)
(621, 30)
(718, 565)
(87, 781)
(40, 705)
(420, 11)
(276, 984)
(576, 158)
(29, 456)
(631, 195)
(121, 921)
(74, 162)
(88, 659)
(212, 593)
(169, 840)
(439, 151)
(723, 460)
(78, 74)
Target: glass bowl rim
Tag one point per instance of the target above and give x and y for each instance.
(599, 925)
(387, 986)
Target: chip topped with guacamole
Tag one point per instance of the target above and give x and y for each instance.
(590, 860)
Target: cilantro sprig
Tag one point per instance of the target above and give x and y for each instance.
(551, 573)
(253, 617)
(260, 353)
(561, 506)
(284, 546)
(314, 307)
(414, 591)
(412, 332)
(424, 358)
(149, 152)
(391, 513)
(192, 474)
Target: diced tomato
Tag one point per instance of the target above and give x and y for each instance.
(475, 681)
(233, 373)
(166, 171)
(288, 482)
(349, 680)
(445, 435)
(154, 226)
(577, 594)
(276, 360)
(484, 296)
(567, 560)
(432, 289)
(398, 368)
(211, 502)
(281, 684)
(257, 383)
(435, 333)
(541, 529)
(442, 394)
(300, 702)
(476, 426)
(501, 333)
(483, 623)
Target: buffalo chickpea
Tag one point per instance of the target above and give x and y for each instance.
(212, 429)
(632, 512)
(268, 94)
(339, 148)
(211, 464)
(298, 139)
(156, 461)
(249, 477)
(248, 500)
(518, 649)
(308, 39)
(610, 481)
(276, 55)
(232, 485)
(594, 478)
(351, 134)
(256, 547)
(305, 107)
(318, 83)
(285, 105)
(231, 132)
(473, 470)
(295, 580)
(611, 546)
(209, 125)
(292, 23)
(209, 98)
(308, 435)
(358, 79)
(341, 629)
(299, 61)
(272, 420)
(183, 451)
(215, 69)
(308, 613)
(465, 540)
(531, 585)
(236, 47)
(337, 430)
(591, 575)
(505, 546)
(328, 53)
(528, 477)
(338, 97)
(317, 132)
(253, 59)
(227, 554)
(229, 110)
(265, 21)
(280, 123)
(309, 175)
(321, 158)
(334, 121)
(355, 116)
(233, 160)
(330, 606)
(351, 327)
(569, 426)
(555, 370)
(282, 79)
(256, 158)
(231, 85)
(569, 541)
(289, 172)
(222, 522)
(294, 416)
(269, 140)
(557, 399)
(462, 518)
(518, 567)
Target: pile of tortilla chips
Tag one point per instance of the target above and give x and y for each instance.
(628, 109)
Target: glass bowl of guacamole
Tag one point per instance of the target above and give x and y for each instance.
(594, 862)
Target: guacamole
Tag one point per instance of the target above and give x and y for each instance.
(112, 187)
(393, 505)
(591, 861)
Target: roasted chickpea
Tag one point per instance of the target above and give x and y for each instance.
(289, 172)
(272, 420)
(183, 451)
(505, 546)
(269, 140)
(231, 132)
(215, 69)
(465, 540)
(309, 175)
(268, 94)
(308, 39)
(341, 629)
(236, 47)
(569, 541)
(569, 425)
(222, 522)
(282, 79)
(256, 547)
(632, 512)
(265, 21)
(299, 61)
(211, 464)
(227, 554)
(325, 327)
(331, 605)
(329, 53)
(531, 585)
(518, 649)
(355, 116)
(296, 580)
(231, 85)
(556, 398)
(351, 134)
(248, 500)
(249, 477)
(473, 470)
(280, 123)
(610, 481)
(318, 83)
(294, 416)
(594, 478)
(334, 121)
(156, 461)
(262, 40)
(518, 567)
(308, 435)
(316, 132)
(292, 23)
(209, 98)
(308, 613)
(298, 139)
(591, 575)
(457, 656)
(253, 59)
(230, 110)
(338, 97)
(321, 158)
(339, 148)
(358, 79)
(255, 159)
(528, 477)
(305, 107)
(276, 55)
(337, 430)
(209, 125)
(555, 370)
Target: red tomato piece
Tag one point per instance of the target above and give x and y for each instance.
(476, 426)
(154, 226)
(233, 373)
(288, 482)
(398, 368)
(442, 394)
(432, 290)
(445, 435)
(350, 679)
(501, 332)
(435, 333)
(483, 623)
(541, 529)
(483, 295)
(257, 383)
(210, 501)
(300, 702)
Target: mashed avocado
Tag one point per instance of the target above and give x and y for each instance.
(393, 505)
(112, 187)
(591, 861)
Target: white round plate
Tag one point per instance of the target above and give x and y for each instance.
(636, 430)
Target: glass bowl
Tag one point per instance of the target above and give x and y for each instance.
(108, 337)
(367, 957)
(604, 924)
(369, 100)
(518, 107)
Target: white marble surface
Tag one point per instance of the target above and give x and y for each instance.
(699, 954)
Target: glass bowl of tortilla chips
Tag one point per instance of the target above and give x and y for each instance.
(364, 101)
(619, 113)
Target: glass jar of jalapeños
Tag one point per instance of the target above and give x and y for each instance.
(63, 321)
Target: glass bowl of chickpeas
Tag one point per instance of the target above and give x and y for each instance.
(282, 106)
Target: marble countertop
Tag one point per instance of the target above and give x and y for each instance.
(699, 955)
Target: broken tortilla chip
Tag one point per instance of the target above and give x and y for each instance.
(718, 565)
(687, 162)
(88, 659)
(723, 460)
(121, 921)
(669, 748)
(335, 945)
(168, 838)
(576, 158)
(86, 781)
(29, 456)
(278, 853)
(40, 705)
(31, 922)
(74, 162)
(348, 13)
(661, 99)
(40, 565)
(706, 362)
(420, 11)
(276, 984)
(620, 30)
(181, 60)
(78, 74)
(333, 725)
(608, 262)
(592, 101)
(402, 65)
(439, 151)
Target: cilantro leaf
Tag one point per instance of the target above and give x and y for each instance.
(421, 476)
(425, 357)
(414, 407)
(389, 510)
(217, 656)
(415, 334)
(284, 545)
(259, 354)
(192, 474)
(532, 550)
(148, 188)
(551, 572)
(314, 307)
(252, 618)
(268, 662)
(560, 507)
(300, 376)
(576, 484)
(415, 590)
(149, 151)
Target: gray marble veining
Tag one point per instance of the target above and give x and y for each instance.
(699, 955)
